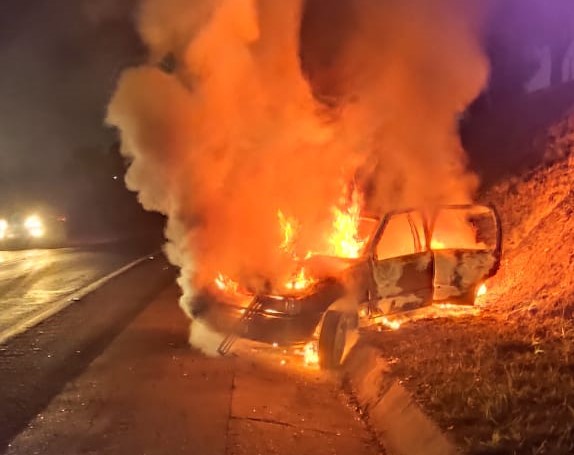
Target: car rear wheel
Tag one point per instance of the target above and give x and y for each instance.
(333, 338)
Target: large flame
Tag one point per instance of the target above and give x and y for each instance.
(344, 240)
(341, 240)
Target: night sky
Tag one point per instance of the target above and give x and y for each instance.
(59, 67)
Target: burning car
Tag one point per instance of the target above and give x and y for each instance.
(408, 260)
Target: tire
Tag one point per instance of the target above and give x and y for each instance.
(332, 339)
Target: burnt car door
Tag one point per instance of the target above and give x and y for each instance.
(466, 244)
(401, 264)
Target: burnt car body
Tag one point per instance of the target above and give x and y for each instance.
(411, 259)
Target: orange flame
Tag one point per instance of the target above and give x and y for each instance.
(482, 290)
(224, 283)
(344, 241)
(311, 354)
(288, 229)
(437, 245)
(300, 281)
(391, 324)
(452, 230)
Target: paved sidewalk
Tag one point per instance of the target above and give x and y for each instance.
(149, 393)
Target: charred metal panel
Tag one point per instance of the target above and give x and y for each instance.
(357, 281)
(404, 283)
(292, 319)
(458, 272)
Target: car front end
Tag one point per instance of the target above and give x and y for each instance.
(281, 319)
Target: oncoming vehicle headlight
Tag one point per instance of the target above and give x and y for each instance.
(3, 228)
(34, 226)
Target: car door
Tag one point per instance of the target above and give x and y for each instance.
(466, 245)
(401, 264)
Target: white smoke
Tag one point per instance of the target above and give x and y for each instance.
(234, 133)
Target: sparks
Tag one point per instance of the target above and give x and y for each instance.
(311, 354)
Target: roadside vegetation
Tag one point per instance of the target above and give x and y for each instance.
(502, 382)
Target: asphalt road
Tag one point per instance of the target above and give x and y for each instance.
(36, 365)
(149, 393)
(33, 280)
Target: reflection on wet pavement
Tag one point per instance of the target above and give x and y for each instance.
(32, 279)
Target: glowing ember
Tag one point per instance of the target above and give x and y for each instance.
(393, 325)
(481, 290)
(344, 241)
(434, 311)
(300, 281)
(448, 306)
(224, 283)
(311, 354)
(437, 245)
(446, 310)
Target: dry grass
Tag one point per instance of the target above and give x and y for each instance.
(502, 382)
(499, 387)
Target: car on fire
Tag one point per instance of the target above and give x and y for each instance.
(410, 260)
(32, 229)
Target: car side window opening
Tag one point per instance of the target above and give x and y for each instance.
(469, 229)
(403, 235)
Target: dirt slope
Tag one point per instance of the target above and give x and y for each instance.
(502, 382)
(537, 208)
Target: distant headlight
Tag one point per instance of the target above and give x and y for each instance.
(33, 221)
(34, 226)
(3, 228)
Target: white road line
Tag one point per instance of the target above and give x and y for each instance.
(59, 305)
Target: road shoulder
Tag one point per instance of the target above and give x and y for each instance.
(36, 365)
(148, 392)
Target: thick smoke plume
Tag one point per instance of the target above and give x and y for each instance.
(412, 67)
(223, 130)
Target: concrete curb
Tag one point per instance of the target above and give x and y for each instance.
(59, 305)
(399, 423)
